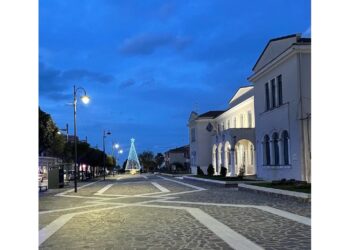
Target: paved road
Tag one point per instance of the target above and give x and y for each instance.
(157, 212)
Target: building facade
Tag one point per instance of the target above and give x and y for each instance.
(282, 83)
(225, 138)
(266, 130)
(177, 155)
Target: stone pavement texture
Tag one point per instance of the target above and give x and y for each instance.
(153, 218)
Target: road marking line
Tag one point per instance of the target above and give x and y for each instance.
(144, 176)
(71, 190)
(183, 183)
(54, 226)
(232, 238)
(84, 197)
(170, 194)
(279, 212)
(210, 204)
(161, 188)
(50, 229)
(288, 215)
(65, 209)
(101, 191)
(128, 195)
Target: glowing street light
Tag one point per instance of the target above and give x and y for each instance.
(116, 146)
(120, 151)
(85, 99)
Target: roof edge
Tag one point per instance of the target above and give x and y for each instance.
(273, 40)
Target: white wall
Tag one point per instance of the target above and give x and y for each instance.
(202, 144)
(241, 108)
(287, 117)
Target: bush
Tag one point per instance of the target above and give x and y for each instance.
(223, 171)
(241, 173)
(291, 181)
(199, 171)
(210, 170)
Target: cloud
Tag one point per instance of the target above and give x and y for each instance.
(166, 10)
(146, 44)
(54, 83)
(127, 84)
(77, 74)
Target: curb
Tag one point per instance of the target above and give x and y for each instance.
(173, 175)
(274, 191)
(230, 183)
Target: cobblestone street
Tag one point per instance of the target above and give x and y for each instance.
(157, 212)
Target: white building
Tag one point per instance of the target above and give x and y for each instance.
(266, 129)
(282, 83)
(225, 138)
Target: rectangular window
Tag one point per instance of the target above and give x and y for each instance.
(234, 122)
(267, 96)
(242, 121)
(228, 124)
(273, 90)
(193, 135)
(279, 86)
(250, 122)
(223, 126)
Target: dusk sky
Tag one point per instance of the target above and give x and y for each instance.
(147, 64)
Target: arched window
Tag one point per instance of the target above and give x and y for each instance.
(285, 143)
(228, 157)
(267, 150)
(276, 148)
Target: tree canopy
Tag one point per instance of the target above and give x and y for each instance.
(48, 132)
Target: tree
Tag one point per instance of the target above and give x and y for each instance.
(147, 160)
(57, 147)
(47, 131)
(110, 162)
(159, 158)
(68, 152)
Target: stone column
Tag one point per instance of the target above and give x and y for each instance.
(281, 155)
(214, 161)
(232, 166)
(272, 153)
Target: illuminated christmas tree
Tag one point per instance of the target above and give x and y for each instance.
(133, 163)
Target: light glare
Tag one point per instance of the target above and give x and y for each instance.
(85, 99)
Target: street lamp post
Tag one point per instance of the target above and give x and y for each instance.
(104, 154)
(115, 146)
(64, 129)
(85, 99)
(120, 151)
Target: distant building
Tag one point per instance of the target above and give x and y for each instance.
(177, 155)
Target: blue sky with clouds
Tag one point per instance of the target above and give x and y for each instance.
(148, 64)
